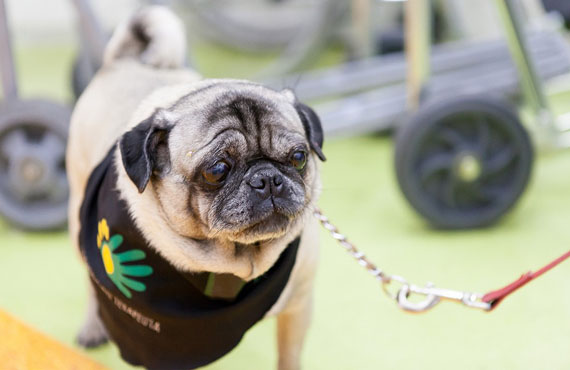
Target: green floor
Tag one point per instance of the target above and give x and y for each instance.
(355, 326)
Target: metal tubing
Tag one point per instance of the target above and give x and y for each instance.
(531, 85)
(418, 44)
(91, 30)
(9, 84)
(377, 72)
(382, 108)
(360, 14)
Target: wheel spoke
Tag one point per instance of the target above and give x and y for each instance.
(451, 137)
(435, 164)
(449, 190)
(59, 188)
(483, 136)
(52, 147)
(499, 161)
(14, 143)
(484, 194)
(17, 189)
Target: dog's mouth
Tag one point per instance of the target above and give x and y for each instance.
(272, 226)
(275, 223)
(267, 220)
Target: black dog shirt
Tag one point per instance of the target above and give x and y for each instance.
(159, 317)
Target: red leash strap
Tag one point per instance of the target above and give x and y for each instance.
(496, 296)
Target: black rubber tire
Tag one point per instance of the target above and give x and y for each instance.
(429, 147)
(35, 119)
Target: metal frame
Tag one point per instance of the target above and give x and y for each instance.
(531, 85)
(91, 31)
(9, 83)
(552, 135)
(418, 47)
(533, 92)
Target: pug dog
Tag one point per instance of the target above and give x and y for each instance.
(191, 203)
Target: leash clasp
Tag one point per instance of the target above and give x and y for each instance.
(434, 295)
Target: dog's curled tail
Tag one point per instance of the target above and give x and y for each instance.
(154, 35)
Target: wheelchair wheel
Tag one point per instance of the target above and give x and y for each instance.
(33, 183)
(290, 32)
(463, 162)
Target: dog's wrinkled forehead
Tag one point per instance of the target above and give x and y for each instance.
(256, 119)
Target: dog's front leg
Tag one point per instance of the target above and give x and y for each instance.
(92, 332)
(292, 326)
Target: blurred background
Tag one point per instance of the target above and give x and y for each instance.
(446, 123)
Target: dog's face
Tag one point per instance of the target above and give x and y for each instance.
(230, 160)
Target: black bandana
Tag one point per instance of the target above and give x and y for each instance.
(158, 316)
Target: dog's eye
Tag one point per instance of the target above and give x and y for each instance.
(217, 173)
(299, 159)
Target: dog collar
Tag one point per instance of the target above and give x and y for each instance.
(217, 286)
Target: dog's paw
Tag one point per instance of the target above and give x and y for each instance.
(285, 365)
(92, 334)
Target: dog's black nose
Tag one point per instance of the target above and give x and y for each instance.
(265, 185)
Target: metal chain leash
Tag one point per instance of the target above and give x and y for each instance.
(401, 296)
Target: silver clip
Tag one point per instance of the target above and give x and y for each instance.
(402, 298)
(434, 295)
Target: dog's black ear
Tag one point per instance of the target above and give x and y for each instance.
(313, 128)
(144, 149)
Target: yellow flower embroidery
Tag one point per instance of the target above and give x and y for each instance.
(103, 232)
(119, 266)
